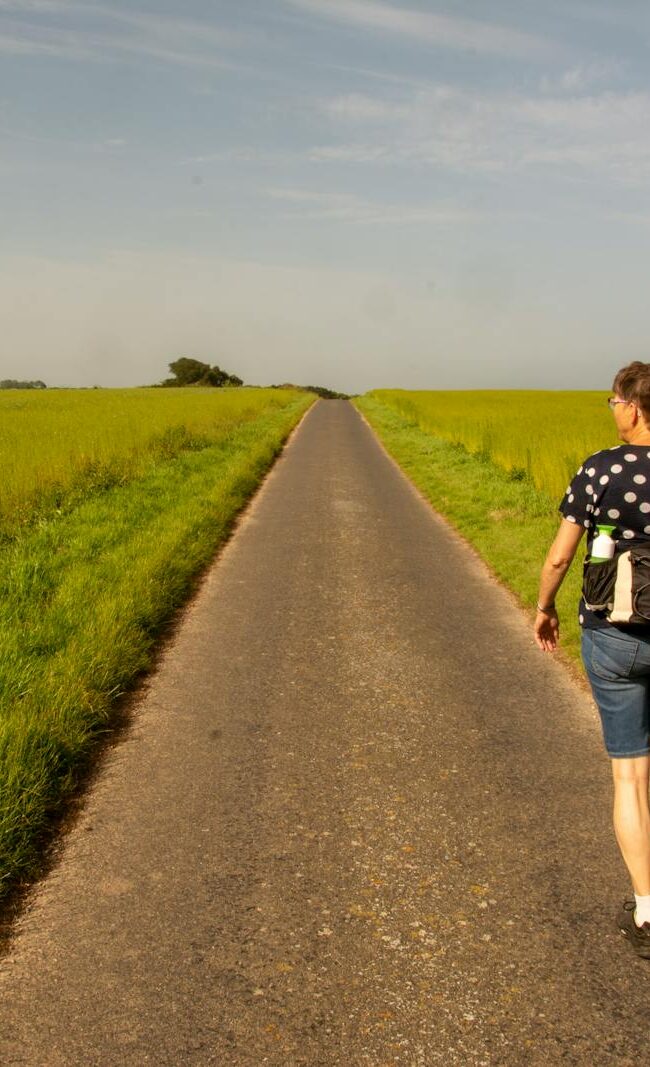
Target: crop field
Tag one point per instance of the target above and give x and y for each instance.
(113, 502)
(56, 446)
(496, 465)
(542, 434)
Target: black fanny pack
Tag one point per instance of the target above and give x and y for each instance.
(620, 586)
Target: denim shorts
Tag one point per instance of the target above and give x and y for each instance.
(618, 666)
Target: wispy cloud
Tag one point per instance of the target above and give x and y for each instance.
(443, 31)
(374, 74)
(350, 153)
(582, 76)
(606, 133)
(347, 208)
(591, 11)
(112, 145)
(361, 108)
(241, 154)
(101, 33)
(36, 41)
(170, 28)
(589, 136)
(39, 7)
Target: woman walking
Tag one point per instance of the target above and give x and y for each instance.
(612, 487)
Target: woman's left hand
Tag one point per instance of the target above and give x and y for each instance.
(547, 630)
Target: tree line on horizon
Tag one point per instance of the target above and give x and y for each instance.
(193, 372)
(12, 383)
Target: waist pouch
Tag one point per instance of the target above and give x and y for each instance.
(620, 586)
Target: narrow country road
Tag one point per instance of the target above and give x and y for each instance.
(358, 819)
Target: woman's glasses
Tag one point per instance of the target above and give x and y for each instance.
(612, 401)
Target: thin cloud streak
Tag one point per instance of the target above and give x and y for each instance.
(361, 108)
(443, 31)
(103, 48)
(40, 7)
(347, 208)
(157, 25)
(177, 41)
(172, 28)
(466, 131)
(247, 154)
(350, 153)
(581, 77)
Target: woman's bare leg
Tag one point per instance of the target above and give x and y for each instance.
(632, 818)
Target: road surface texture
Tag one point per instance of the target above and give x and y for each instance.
(358, 818)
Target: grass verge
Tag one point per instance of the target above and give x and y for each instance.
(83, 598)
(503, 515)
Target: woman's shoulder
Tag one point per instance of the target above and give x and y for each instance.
(618, 454)
(620, 460)
(596, 460)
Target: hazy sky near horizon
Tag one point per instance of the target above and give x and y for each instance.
(352, 193)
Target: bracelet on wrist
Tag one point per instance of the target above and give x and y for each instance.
(548, 610)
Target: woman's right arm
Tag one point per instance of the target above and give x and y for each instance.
(558, 560)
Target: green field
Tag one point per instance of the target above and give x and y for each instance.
(543, 435)
(496, 464)
(114, 502)
(56, 446)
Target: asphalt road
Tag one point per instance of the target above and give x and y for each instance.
(358, 819)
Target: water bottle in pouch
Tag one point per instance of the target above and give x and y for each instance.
(604, 545)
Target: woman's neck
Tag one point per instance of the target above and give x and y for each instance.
(639, 437)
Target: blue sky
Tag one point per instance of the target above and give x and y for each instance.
(341, 192)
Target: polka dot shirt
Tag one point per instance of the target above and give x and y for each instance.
(611, 487)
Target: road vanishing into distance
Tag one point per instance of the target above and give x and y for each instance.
(357, 818)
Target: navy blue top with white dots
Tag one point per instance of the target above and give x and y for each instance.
(611, 487)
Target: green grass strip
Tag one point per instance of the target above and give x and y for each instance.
(83, 599)
(503, 515)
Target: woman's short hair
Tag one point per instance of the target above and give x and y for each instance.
(633, 383)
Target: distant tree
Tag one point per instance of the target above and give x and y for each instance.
(214, 376)
(194, 372)
(12, 383)
(326, 394)
(188, 371)
(320, 390)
